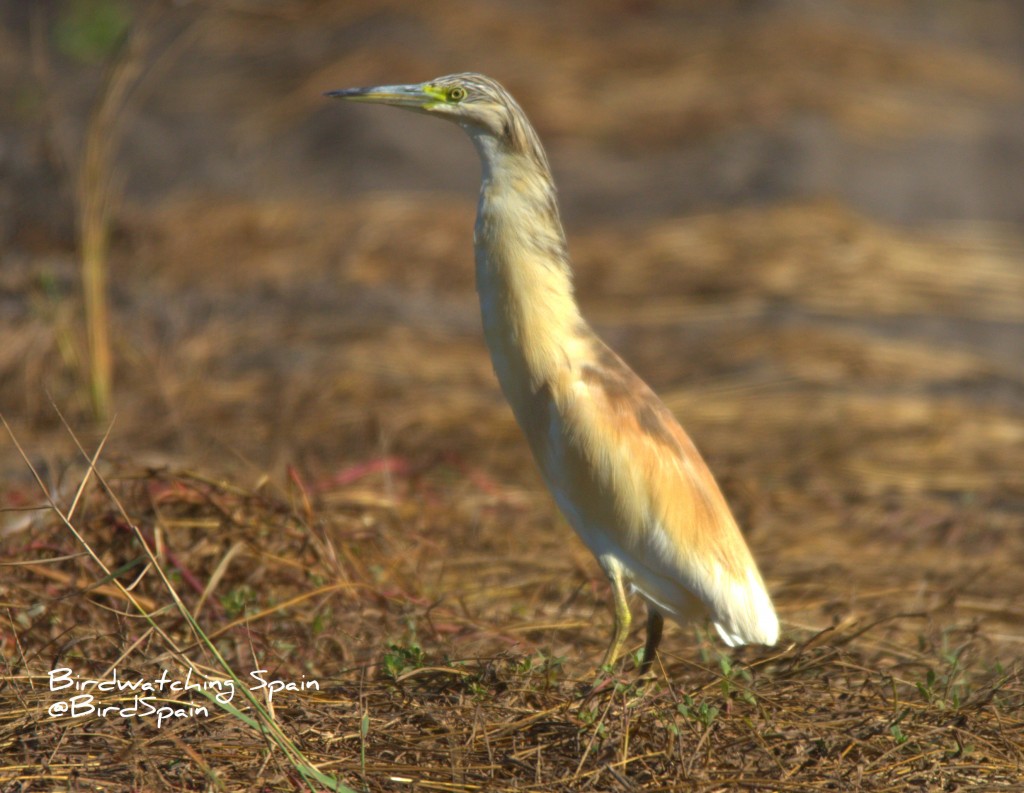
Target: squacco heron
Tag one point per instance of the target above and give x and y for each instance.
(623, 472)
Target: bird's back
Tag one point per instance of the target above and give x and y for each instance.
(633, 485)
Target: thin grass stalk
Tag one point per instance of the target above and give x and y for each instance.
(96, 193)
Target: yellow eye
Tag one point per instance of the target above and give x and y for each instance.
(456, 94)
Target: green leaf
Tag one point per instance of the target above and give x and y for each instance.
(91, 30)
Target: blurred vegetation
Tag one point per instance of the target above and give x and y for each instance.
(91, 31)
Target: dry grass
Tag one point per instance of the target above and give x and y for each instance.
(408, 560)
(442, 669)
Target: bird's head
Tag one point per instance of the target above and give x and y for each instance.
(477, 103)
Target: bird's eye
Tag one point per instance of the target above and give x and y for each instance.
(456, 94)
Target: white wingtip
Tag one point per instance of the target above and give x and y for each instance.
(765, 632)
(754, 623)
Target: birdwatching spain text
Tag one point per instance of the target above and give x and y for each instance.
(165, 698)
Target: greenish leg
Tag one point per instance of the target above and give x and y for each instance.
(655, 622)
(623, 618)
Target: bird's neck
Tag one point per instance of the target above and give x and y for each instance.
(531, 321)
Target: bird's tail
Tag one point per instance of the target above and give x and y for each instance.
(750, 618)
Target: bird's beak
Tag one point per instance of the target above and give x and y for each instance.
(414, 97)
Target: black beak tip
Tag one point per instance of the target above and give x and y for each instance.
(345, 93)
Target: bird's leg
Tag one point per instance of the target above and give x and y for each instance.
(655, 622)
(623, 617)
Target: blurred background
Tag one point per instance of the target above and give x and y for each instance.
(801, 222)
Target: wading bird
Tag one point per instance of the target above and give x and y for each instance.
(623, 472)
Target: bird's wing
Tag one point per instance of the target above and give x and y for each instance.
(672, 518)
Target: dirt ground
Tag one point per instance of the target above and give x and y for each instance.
(801, 223)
